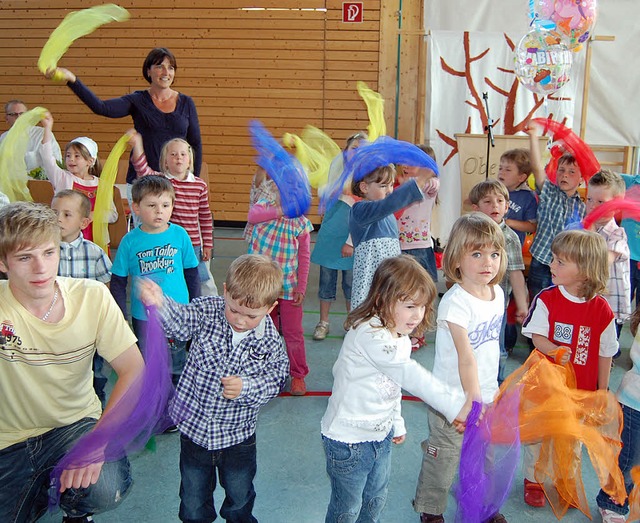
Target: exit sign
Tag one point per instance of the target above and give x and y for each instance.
(352, 11)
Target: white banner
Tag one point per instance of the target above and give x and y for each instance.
(463, 66)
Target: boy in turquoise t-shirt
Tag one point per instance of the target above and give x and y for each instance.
(158, 250)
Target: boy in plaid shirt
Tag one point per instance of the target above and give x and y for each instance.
(287, 242)
(81, 258)
(236, 364)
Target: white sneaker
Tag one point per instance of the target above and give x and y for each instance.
(609, 516)
(321, 330)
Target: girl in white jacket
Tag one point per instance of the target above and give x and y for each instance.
(363, 415)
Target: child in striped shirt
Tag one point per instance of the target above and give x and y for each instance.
(191, 209)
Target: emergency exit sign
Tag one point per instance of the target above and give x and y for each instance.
(352, 11)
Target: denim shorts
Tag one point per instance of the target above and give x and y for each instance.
(329, 283)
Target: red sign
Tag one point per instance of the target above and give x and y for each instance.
(352, 11)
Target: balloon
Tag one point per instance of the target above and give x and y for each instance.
(573, 19)
(542, 62)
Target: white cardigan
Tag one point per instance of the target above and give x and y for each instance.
(372, 368)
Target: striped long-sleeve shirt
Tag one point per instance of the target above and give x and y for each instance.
(191, 209)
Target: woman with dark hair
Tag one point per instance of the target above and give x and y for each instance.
(159, 113)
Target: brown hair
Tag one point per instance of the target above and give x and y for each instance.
(588, 250)
(26, 224)
(470, 232)
(567, 158)
(155, 57)
(96, 168)
(520, 157)
(254, 281)
(400, 278)
(384, 174)
(490, 186)
(154, 185)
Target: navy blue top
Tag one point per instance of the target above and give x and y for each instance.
(156, 127)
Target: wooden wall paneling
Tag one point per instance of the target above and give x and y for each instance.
(287, 62)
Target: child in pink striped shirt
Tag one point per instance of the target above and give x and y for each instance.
(191, 209)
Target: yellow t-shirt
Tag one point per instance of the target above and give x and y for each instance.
(45, 368)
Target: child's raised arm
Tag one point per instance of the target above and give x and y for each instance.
(138, 158)
(533, 131)
(467, 364)
(135, 141)
(47, 124)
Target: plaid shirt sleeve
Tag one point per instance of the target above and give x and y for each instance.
(269, 379)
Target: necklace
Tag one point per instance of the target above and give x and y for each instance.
(53, 304)
(161, 101)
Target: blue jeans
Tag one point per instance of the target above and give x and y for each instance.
(25, 470)
(203, 273)
(178, 349)
(100, 379)
(427, 259)
(629, 457)
(329, 283)
(503, 348)
(236, 466)
(635, 280)
(359, 475)
(539, 277)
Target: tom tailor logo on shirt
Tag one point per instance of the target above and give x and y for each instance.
(157, 259)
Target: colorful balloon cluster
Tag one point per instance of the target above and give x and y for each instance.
(573, 19)
(543, 57)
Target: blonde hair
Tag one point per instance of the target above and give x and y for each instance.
(470, 232)
(490, 186)
(95, 168)
(163, 154)
(396, 279)
(384, 174)
(83, 201)
(609, 179)
(588, 250)
(25, 224)
(254, 281)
